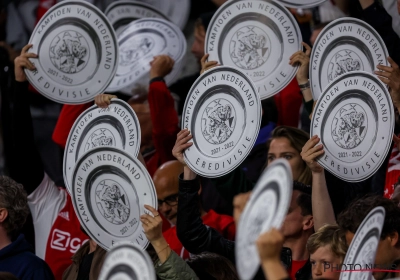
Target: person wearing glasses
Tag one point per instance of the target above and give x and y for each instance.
(166, 181)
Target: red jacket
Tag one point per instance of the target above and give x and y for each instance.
(288, 102)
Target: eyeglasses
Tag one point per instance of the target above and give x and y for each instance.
(171, 200)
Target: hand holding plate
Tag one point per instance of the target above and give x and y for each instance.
(303, 59)
(239, 203)
(181, 144)
(391, 77)
(103, 100)
(22, 62)
(310, 152)
(207, 65)
(152, 225)
(269, 245)
(161, 66)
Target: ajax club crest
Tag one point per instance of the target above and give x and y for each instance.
(218, 121)
(112, 202)
(250, 47)
(342, 62)
(69, 52)
(99, 138)
(349, 126)
(134, 51)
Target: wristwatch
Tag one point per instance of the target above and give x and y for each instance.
(304, 86)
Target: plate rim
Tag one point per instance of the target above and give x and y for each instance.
(290, 4)
(258, 124)
(391, 123)
(326, 29)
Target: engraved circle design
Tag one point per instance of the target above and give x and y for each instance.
(218, 121)
(349, 126)
(122, 13)
(267, 208)
(298, 4)
(99, 138)
(258, 37)
(112, 201)
(222, 111)
(139, 42)
(77, 53)
(250, 47)
(343, 46)
(116, 126)
(109, 189)
(363, 247)
(354, 119)
(69, 52)
(127, 261)
(342, 62)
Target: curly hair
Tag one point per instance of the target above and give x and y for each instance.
(351, 218)
(328, 235)
(13, 197)
(297, 138)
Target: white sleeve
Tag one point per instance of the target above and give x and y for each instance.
(45, 204)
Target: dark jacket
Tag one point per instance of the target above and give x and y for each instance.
(18, 259)
(198, 238)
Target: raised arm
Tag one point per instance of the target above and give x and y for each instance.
(193, 234)
(25, 165)
(321, 203)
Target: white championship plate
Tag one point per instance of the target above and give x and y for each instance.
(122, 13)
(258, 37)
(344, 45)
(354, 117)
(116, 126)
(126, 261)
(139, 42)
(78, 53)
(266, 209)
(109, 191)
(301, 4)
(223, 113)
(177, 10)
(363, 247)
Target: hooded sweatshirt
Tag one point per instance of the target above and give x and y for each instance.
(18, 258)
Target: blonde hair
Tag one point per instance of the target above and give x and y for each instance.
(328, 235)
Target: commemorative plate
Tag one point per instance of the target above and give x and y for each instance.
(78, 53)
(266, 208)
(116, 126)
(139, 42)
(301, 4)
(223, 113)
(177, 10)
(363, 247)
(109, 191)
(122, 13)
(344, 45)
(354, 120)
(127, 261)
(258, 37)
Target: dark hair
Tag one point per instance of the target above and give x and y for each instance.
(297, 138)
(13, 197)
(351, 218)
(304, 199)
(208, 266)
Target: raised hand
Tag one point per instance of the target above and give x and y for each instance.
(207, 65)
(161, 66)
(152, 225)
(181, 144)
(310, 152)
(391, 77)
(303, 59)
(22, 62)
(103, 100)
(269, 245)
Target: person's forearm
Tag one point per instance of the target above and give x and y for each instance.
(307, 94)
(162, 249)
(274, 270)
(188, 174)
(366, 3)
(321, 202)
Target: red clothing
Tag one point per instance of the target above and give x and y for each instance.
(66, 119)
(296, 265)
(393, 172)
(165, 123)
(288, 102)
(222, 223)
